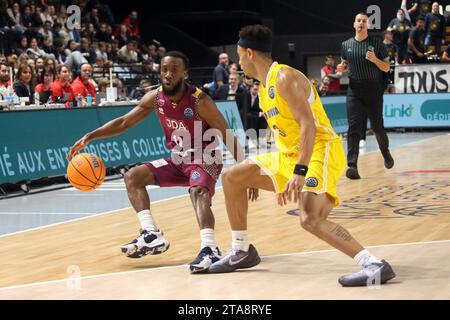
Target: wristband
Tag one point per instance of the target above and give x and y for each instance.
(300, 169)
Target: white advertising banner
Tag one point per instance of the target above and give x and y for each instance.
(422, 78)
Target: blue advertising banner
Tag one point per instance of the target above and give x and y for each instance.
(399, 111)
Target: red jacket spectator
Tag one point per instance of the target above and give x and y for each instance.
(79, 87)
(5, 84)
(132, 23)
(58, 90)
(335, 84)
(330, 70)
(40, 87)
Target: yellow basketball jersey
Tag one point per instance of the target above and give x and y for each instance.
(280, 119)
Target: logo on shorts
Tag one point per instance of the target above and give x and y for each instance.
(195, 175)
(272, 92)
(160, 102)
(312, 182)
(188, 113)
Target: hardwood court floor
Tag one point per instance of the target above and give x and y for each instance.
(409, 203)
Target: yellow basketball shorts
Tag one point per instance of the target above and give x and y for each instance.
(327, 165)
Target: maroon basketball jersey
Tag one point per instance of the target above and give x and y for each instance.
(183, 128)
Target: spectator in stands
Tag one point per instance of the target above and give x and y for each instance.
(47, 47)
(122, 35)
(391, 47)
(61, 17)
(39, 67)
(416, 42)
(23, 45)
(220, 74)
(324, 86)
(446, 55)
(233, 91)
(14, 14)
(45, 15)
(228, 91)
(92, 17)
(22, 86)
(112, 49)
(27, 19)
(52, 12)
(392, 51)
(101, 51)
(46, 78)
(89, 32)
(11, 33)
(98, 69)
(329, 70)
(234, 67)
(400, 28)
(149, 66)
(248, 82)
(121, 90)
(254, 115)
(46, 31)
(5, 80)
(32, 64)
(11, 60)
(82, 85)
(49, 62)
(131, 22)
(75, 33)
(61, 32)
(35, 52)
(139, 92)
(421, 7)
(128, 53)
(101, 34)
(103, 83)
(151, 51)
(435, 29)
(61, 88)
(161, 52)
(86, 51)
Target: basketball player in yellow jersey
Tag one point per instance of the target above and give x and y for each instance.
(309, 162)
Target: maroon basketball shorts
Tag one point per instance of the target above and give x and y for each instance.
(170, 174)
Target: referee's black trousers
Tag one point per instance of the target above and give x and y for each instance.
(364, 95)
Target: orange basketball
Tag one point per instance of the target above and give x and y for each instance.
(86, 171)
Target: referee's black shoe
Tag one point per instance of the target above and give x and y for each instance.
(388, 160)
(352, 173)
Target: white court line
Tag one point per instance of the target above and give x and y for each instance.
(184, 265)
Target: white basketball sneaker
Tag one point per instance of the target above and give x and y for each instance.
(148, 242)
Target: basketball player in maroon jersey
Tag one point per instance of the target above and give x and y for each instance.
(185, 114)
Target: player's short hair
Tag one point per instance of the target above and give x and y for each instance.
(421, 17)
(256, 37)
(362, 13)
(385, 32)
(180, 55)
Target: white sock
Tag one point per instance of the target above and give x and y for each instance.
(364, 257)
(240, 240)
(146, 220)
(208, 239)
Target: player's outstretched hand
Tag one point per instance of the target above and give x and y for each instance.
(253, 194)
(80, 144)
(294, 186)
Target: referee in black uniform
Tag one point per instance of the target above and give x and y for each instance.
(365, 58)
